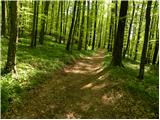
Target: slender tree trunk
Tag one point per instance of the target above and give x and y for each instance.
(57, 23)
(143, 57)
(65, 29)
(110, 35)
(72, 24)
(11, 58)
(156, 48)
(3, 27)
(100, 38)
(41, 39)
(77, 21)
(118, 42)
(34, 22)
(52, 18)
(88, 32)
(82, 27)
(91, 24)
(95, 22)
(61, 2)
(139, 32)
(129, 33)
(36, 27)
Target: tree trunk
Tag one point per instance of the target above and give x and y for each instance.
(72, 24)
(95, 22)
(41, 39)
(52, 18)
(118, 42)
(143, 57)
(11, 58)
(3, 27)
(36, 27)
(65, 29)
(77, 21)
(61, 2)
(139, 32)
(88, 24)
(100, 37)
(82, 27)
(156, 48)
(33, 25)
(57, 23)
(129, 33)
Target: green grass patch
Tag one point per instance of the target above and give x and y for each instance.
(34, 66)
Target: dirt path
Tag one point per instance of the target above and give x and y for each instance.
(81, 90)
(67, 94)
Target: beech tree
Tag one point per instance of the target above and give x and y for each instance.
(3, 27)
(72, 24)
(41, 39)
(11, 55)
(118, 42)
(95, 22)
(143, 57)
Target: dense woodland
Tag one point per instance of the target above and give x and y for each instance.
(80, 59)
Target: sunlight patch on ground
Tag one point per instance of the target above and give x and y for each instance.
(108, 99)
(71, 115)
(99, 70)
(102, 77)
(87, 86)
(97, 87)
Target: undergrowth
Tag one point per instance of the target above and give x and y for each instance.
(34, 66)
(146, 92)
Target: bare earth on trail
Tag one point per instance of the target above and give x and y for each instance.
(81, 90)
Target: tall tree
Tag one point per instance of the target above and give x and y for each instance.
(71, 28)
(52, 18)
(65, 28)
(34, 24)
(11, 58)
(3, 27)
(61, 3)
(87, 34)
(57, 22)
(129, 32)
(36, 27)
(111, 30)
(143, 57)
(95, 22)
(139, 32)
(118, 42)
(41, 39)
(156, 49)
(82, 27)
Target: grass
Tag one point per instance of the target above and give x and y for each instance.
(145, 94)
(34, 66)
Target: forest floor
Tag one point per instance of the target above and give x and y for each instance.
(82, 90)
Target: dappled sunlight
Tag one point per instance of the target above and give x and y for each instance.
(71, 115)
(102, 77)
(97, 87)
(100, 69)
(87, 86)
(111, 98)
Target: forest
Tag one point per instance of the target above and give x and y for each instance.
(79, 59)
